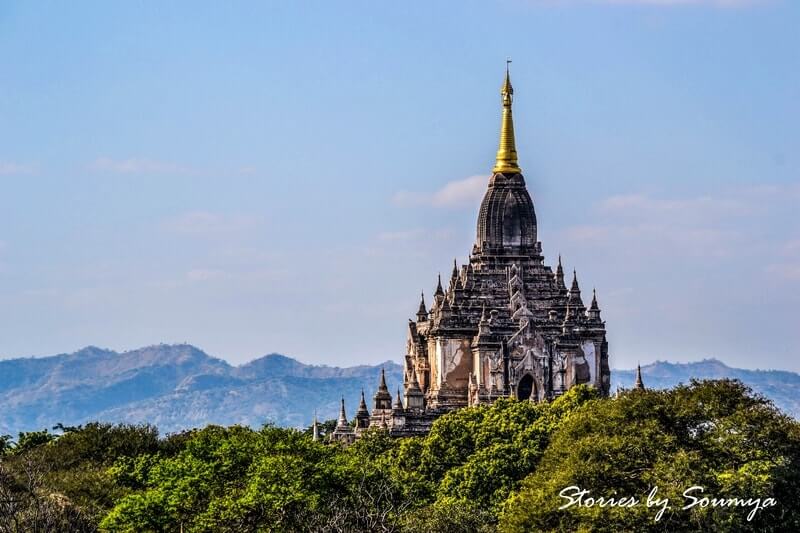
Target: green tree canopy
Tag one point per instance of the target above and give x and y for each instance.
(713, 434)
(480, 469)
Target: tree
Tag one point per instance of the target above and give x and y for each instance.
(481, 454)
(6, 445)
(27, 503)
(450, 515)
(32, 439)
(713, 434)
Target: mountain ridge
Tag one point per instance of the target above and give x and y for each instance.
(179, 386)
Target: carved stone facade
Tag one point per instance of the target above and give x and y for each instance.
(506, 325)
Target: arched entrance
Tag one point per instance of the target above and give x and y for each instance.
(525, 387)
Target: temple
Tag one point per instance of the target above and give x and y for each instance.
(505, 325)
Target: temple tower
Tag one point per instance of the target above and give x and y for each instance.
(506, 324)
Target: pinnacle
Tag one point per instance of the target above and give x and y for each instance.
(594, 300)
(342, 415)
(363, 404)
(398, 403)
(639, 383)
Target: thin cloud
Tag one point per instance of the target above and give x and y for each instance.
(791, 247)
(465, 192)
(145, 165)
(714, 3)
(719, 225)
(136, 165)
(414, 234)
(640, 203)
(660, 3)
(8, 168)
(785, 271)
(654, 237)
(204, 274)
(209, 224)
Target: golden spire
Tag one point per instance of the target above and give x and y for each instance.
(507, 152)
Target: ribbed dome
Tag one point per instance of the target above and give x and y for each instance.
(507, 220)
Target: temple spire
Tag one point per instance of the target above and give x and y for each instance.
(439, 290)
(383, 398)
(362, 414)
(398, 402)
(342, 422)
(362, 407)
(594, 309)
(639, 385)
(422, 312)
(315, 428)
(507, 151)
(560, 275)
(574, 298)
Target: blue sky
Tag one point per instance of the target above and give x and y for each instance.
(255, 177)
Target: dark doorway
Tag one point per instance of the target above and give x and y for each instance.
(525, 387)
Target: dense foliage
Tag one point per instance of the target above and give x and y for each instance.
(492, 468)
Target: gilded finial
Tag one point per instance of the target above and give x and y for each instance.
(507, 151)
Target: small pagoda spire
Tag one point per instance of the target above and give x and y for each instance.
(383, 398)
(575, 311)
(342, 422)
(398, 402)
(446, 304)
(594, 309)
(362, 415)
(574, 299)
(560, 275)
(439, 289)
(422, 312)
(414, 397)
(639, 385)
(506, 162)
(362, 406)
(315, 428)
(575, 288)
(455, 268)
(413, 382)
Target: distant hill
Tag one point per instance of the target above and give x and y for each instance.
(176, 387)
(780, 386)
(180, 386)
